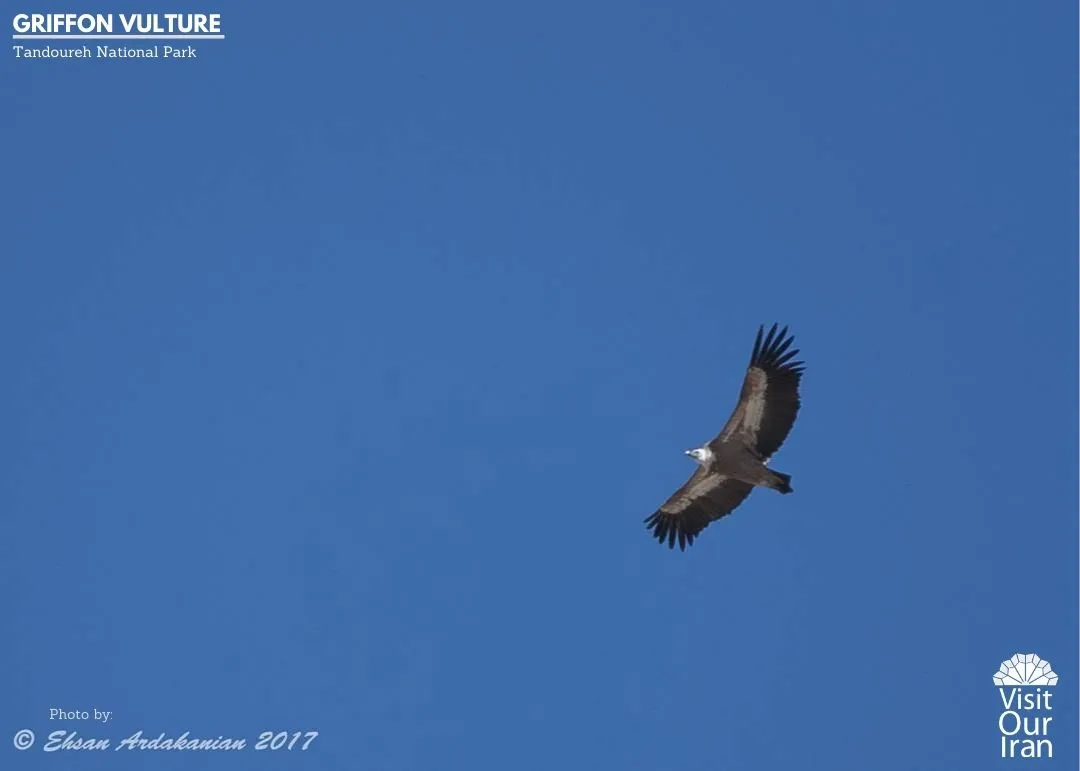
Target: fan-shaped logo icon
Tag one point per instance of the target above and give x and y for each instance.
(1025, 669)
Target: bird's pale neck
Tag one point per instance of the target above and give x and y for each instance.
(702, 455)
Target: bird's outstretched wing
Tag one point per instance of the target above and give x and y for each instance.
(769, 401)
(705, 497)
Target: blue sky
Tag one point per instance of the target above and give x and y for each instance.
(344, 363)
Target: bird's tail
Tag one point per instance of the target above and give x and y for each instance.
(781, 482)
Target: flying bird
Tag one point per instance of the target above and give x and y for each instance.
(734, 463)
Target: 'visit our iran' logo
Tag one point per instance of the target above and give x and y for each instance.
(1024, 683)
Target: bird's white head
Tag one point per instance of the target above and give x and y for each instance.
(701, 455)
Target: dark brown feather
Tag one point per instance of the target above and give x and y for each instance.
(704, 498)
(769, 400)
